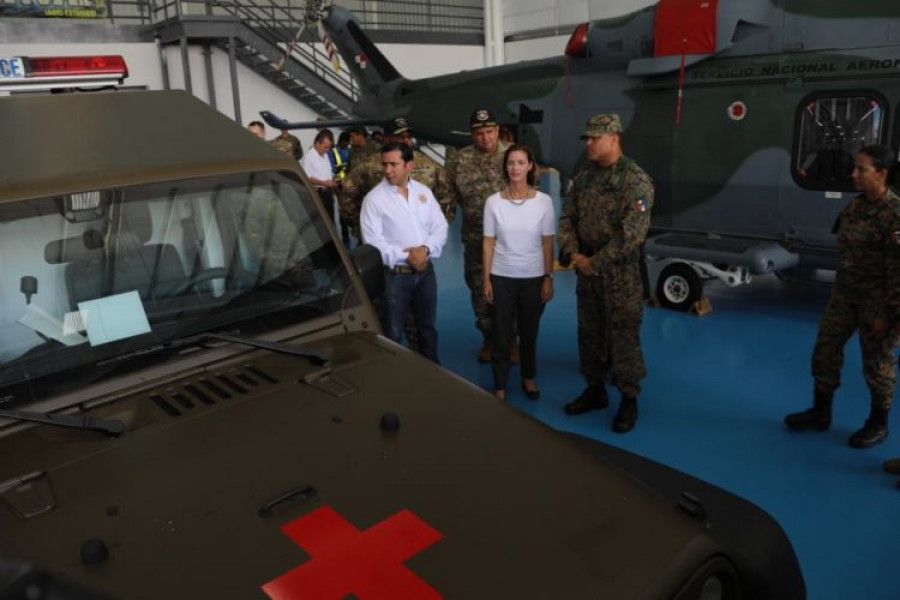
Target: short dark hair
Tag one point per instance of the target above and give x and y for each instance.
(532, 172)
(325, 133)
(406, 153)
(344, 138)
(883, 157)
(256, 124)
(357, 130)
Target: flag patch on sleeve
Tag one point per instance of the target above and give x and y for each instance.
(643, 205)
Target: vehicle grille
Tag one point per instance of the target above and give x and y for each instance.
(210, 389)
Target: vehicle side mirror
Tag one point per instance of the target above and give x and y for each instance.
(367, 259)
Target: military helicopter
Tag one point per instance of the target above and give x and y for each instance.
(747, 114)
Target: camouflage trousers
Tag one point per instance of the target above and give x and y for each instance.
(610, 312)
(840, 320)
(473, 268)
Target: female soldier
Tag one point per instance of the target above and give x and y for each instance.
(517, 247)
(865, 296)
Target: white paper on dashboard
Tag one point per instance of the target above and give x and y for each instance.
(114, 317)
(43, 322)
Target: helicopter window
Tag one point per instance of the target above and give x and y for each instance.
(831, 131)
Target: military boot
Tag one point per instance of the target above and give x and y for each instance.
(593, 397)
(874, 431)
(817, 418)
(892, 466)
(626, 416)
(484, 355)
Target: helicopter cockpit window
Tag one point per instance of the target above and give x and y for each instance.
(831, 131)
(87, 276)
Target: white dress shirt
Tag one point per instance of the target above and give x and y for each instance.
(317, 165)
(391, 222)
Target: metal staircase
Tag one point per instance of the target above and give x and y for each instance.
(305, 84)
(260, 33)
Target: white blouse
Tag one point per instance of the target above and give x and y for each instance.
(519, 227)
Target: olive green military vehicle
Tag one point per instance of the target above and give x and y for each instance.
(197, 403)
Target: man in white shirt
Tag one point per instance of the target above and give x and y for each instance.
(401, 218)
(317, 166)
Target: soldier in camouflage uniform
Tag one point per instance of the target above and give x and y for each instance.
(360, 144)
(475, 173)
(289, 144)
(601, 230)
(364, 173)
(865, 296)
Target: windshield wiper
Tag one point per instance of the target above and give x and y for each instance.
(315, 356)
(107, 426)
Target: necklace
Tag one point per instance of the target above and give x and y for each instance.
(517, 201)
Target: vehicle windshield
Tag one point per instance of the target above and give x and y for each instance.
(87, 277)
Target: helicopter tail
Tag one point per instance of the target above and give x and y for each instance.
(376, 76)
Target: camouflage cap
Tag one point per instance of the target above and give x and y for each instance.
(397, 126)
(601, 124)
(482, 117)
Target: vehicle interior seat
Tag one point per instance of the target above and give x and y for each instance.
(124, 261)
(32, 265)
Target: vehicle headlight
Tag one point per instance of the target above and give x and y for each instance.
(713, 589)
(716, 579)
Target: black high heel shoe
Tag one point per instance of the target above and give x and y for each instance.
(532, 393)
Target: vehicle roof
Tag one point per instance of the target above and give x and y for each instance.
(64, 143)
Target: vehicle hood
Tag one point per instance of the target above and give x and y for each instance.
(477, 499)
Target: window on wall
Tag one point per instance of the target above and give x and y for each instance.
(831, 130)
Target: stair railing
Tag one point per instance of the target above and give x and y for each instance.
(277, 26)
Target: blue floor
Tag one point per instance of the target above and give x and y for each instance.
(712, 406)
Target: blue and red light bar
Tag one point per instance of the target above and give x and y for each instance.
(47, 72)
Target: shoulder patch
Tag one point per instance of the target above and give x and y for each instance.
(643, 205)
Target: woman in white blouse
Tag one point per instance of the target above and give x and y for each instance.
(519, 226)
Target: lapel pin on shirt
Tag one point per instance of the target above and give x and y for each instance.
(423, 198)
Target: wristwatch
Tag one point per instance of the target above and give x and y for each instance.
(427, 250)
(548, 275)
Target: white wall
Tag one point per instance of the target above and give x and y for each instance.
(255, 92)
(521, 16)
(559, 18)
(536, 48)
(143, 59)
(418, 60)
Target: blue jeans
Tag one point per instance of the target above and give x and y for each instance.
(416, 291)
